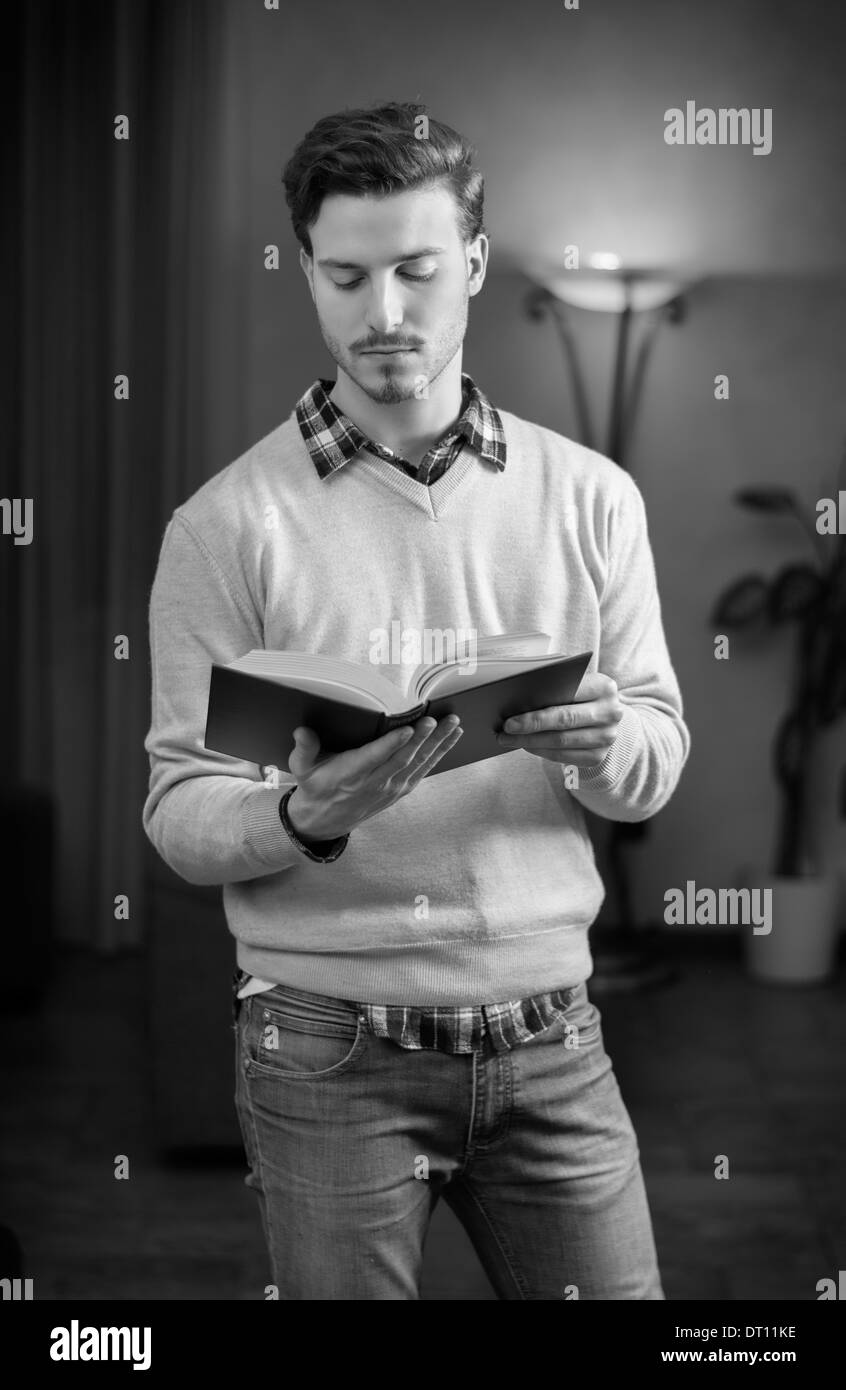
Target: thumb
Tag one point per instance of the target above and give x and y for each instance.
(305, 752)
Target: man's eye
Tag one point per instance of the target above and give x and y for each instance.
(351, 284)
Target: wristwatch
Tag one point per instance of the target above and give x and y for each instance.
(321, 851)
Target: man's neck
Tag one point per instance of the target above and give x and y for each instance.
(408, 428)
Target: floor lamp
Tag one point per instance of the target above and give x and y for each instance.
(625, 959)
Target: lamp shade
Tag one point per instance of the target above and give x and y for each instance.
(609, 291)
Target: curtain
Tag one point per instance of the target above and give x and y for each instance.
(122, 258)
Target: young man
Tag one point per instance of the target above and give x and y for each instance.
(410, 1007)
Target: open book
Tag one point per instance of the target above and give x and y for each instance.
(257, 701)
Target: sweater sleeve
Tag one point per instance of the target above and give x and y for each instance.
(642, 769)
(211, 817)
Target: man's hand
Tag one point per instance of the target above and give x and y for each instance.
(348, 788)
(581, 734)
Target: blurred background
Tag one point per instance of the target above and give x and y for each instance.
(146, 258)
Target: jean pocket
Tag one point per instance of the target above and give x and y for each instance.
(290, 1034)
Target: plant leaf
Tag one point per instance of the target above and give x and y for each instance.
(767, 499)
(743, 603)
(794, 591)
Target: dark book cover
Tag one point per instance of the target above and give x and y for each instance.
(253, 718)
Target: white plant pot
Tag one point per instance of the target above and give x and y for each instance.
(801, 948)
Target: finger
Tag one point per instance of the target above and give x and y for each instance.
(412, 757)
(553, 717)
(597, 695)
(596, 738)
(376, 754)
(437, 753)
(305, 751)
(601, 713)
(422, 731)
(596, 686)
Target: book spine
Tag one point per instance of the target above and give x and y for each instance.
(409, 716)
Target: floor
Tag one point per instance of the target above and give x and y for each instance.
(710, 1065)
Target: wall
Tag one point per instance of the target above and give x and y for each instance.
(566, 109)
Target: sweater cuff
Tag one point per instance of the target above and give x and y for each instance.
(263, 833)
(321, 851)
(619, 758)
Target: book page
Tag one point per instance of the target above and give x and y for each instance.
(449, 680)
(504, 645)
(331, 676)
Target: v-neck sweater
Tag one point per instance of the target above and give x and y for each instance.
(480, 885)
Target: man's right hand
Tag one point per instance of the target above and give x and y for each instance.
(335, 796)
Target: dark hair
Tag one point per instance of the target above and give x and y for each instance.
(375, 151)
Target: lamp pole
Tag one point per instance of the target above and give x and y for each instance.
(622, 959)
(616, 434)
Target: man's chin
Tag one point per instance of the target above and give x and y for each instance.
(390, 393)
(390, 390)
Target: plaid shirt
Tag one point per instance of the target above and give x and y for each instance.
(460, 1029)
(333, 439)
(448, 1028)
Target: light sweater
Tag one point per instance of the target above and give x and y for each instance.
(480, 885)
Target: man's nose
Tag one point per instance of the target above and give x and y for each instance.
(384, 308)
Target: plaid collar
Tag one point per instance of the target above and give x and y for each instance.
(333, 439)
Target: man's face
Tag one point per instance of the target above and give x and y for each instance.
(392, 272)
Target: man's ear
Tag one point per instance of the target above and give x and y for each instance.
(307, 265)
(477, 263)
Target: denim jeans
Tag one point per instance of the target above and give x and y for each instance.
(351, 1140)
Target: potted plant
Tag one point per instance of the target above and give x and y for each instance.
(801, 946)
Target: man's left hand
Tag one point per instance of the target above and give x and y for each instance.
(580, 734)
